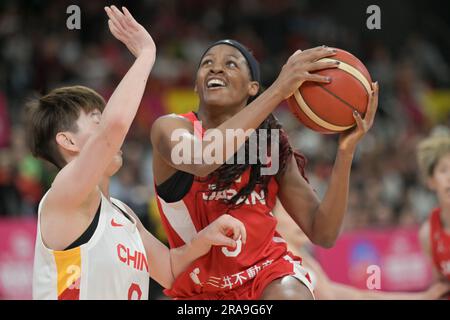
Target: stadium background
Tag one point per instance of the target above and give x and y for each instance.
(409, 57)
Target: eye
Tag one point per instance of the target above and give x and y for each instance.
(231, 64)
(206, 62)
(97, 115)
(443, 169)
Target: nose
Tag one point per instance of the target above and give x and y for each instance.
(216, 67)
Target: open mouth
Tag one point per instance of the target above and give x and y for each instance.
(215, 83)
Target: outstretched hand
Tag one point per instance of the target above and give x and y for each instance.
(126, 29)
(349, 139)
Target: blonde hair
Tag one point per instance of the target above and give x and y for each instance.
(432, 149)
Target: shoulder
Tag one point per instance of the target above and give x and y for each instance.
(168, 123)
(171, 120)
(57, 198)
(59, 224)
(171, 117)
(62, 195)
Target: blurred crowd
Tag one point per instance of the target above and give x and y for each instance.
(38, 53)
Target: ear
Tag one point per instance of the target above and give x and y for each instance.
(66, 141)
(253, 88)
(431, 183)
(195, 88)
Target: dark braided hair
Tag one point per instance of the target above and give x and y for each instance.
(223, 178)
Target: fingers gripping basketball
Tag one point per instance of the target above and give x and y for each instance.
(329, 107)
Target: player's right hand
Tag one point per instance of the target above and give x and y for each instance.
(126, 29)
(224, 231)
(298, 69)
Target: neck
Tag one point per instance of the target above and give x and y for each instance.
(104, 186)
(214, 116)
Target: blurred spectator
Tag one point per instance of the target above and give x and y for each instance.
(5, 130)
(10, 200)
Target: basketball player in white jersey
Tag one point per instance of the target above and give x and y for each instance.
(90, 246)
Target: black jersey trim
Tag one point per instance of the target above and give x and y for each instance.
(176, 187)
(88, 233)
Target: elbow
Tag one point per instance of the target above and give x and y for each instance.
(325, 241)
(324, 233)
(328, 243)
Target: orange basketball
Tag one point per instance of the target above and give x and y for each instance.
(328, 108)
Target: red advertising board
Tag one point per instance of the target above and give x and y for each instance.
(395, 253)
(17, 238)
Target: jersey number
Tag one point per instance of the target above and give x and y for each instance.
(134, 292)
(235, 252)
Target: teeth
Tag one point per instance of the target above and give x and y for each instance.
(216, 83)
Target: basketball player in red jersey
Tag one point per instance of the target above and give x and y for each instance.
(90, 246)
(433, 155)
(327, 289)
(194, 192)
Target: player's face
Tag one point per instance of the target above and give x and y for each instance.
(88, 124)
(440, 181)
(223, 78)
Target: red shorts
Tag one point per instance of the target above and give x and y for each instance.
(252, 290)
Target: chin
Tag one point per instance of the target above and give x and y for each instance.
(114, 167)
(218, 101)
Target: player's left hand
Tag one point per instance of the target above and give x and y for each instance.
(224, 231)
(349, 139)
(126, 29)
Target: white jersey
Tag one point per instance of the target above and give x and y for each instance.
(111, 265)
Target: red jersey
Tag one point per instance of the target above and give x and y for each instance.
(440, 244)
(226, 273)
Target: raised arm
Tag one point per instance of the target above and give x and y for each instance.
(321, 220)
(296, 71)
(89, 166)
